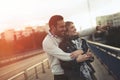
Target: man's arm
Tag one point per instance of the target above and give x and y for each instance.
(52, 49)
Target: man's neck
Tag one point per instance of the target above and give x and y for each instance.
(52, 32)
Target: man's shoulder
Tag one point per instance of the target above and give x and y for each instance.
(46, 39)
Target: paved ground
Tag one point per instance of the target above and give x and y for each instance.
(101, 72)
(10, 70)
(46, 76)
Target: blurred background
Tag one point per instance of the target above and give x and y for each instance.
(24, 23)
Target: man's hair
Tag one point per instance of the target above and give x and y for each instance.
(67, 24)
(53, 20)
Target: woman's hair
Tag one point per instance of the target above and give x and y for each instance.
(67, 24)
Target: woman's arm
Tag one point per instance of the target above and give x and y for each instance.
(87, 32)
(91, 30)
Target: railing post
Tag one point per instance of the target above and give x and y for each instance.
(43, 69)
(36, 74)
(25, 75)
(48, 64)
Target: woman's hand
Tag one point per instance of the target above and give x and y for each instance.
(82, 58)
(89, 53)
(76, 53)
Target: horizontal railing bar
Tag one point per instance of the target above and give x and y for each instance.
(34, 66)
(103, 45)
(41, 63)
(45, 60)
(16, 75)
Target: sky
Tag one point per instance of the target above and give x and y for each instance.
(20, 13)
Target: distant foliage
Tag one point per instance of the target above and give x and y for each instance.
(32, 42)
(110, 36)
(113, 37)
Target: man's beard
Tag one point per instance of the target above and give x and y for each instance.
(61, 35)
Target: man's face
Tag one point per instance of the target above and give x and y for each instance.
(60, 28)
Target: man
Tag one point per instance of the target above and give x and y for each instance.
(51, 46)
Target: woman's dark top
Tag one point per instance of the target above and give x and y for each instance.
(72, 68)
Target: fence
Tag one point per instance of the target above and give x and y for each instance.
(32, 72)
(109, 56)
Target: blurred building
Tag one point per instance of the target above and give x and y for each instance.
(109, 20)
(40, 29)
(18, 34)
(46, 27)
(9, 35)
(28, 31)
(2, 35)
(116, 19)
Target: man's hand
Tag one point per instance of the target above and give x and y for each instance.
(76, 53)
(85, 56)
(82, 58)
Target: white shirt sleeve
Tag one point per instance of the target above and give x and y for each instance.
(87, 32)
(54, 50)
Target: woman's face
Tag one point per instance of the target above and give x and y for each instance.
(72, 30)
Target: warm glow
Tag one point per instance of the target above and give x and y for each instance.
(19, 13)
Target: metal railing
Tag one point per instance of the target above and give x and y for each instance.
(109, 57)
(32, 72)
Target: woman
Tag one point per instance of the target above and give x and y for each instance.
(72, 42)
